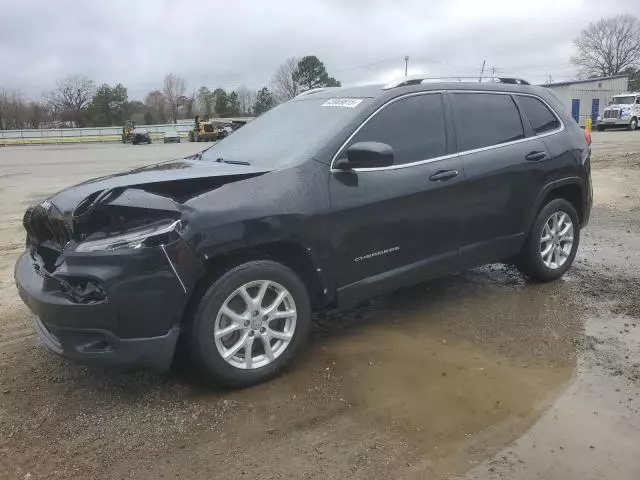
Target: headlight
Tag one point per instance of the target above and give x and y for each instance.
(130, 240)
(599, 118)
(624, 114)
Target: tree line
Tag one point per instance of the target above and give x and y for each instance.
(610, 46)
(78, 101)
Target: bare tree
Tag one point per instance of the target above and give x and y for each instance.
(283, 84)
(609, 46)
(15, 113)
(71, 98)
(36, 115)
(157, 106)
(246, 98)
(205, 101)
(174, 88)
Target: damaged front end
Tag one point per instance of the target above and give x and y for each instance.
(109, 281)
(108, 271)
(105, 221)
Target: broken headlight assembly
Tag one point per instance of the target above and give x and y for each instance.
(147, 236)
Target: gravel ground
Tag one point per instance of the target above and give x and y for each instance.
(474, 375)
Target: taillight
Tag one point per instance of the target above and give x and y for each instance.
(587, 136)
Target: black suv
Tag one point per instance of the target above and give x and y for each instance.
(332, 197)
(140, 135)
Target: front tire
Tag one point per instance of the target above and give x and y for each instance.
(601, 128)
(250, 323)
(552, 243)
(633, 124)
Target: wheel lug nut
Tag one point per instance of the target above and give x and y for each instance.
(262, 330)
(255, 314)
(265, 318)
(247, 323)
(251, 333)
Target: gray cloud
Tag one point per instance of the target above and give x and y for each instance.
(226, 44)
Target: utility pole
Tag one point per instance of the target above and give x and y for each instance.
(493, 71)
(406, 65)
(482, 71)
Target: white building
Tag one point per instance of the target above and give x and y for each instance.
(586, 98)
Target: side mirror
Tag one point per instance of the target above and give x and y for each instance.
(366, 155)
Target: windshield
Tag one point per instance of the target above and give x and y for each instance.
(623, 100)
(288, 133)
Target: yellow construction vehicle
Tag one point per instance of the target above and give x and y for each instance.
(205, 130)
(127, 131)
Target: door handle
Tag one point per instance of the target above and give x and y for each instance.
(536, 156)
(442, 175)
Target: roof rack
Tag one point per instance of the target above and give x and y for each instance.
(314, 90)
(420, 79)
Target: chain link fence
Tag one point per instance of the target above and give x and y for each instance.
(47, 136)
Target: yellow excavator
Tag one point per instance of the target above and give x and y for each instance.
(127, 131)
(205, 130)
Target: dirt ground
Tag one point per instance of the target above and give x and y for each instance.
(478, 375)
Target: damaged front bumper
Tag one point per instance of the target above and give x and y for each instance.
(121, 307)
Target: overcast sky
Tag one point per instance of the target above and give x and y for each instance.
(232, 42)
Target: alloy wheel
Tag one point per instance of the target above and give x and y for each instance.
(556, 241)
(255, 324)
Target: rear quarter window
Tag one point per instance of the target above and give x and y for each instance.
(485, 119)
(541, 118)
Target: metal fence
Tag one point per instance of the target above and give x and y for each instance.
(83, 135)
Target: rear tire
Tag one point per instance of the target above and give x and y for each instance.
(552, 242)
(601, 128)
(275, 335)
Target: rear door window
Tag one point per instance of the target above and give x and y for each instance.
(413, 126)
(541, 118)
(485, 119)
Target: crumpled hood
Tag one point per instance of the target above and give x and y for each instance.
(177, 179)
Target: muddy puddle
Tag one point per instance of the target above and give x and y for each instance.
(427, 381)
(591, 431)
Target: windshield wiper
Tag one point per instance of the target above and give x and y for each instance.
(232, 162)
(198, 156)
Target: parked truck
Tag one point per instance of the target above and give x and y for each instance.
(623, 111)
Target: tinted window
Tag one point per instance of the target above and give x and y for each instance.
(541, 118)
(484, 119)
(622, 100)
(414, 127)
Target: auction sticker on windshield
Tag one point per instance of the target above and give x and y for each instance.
(342, 102)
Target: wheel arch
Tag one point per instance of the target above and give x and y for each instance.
(292, 254)
(571, 189)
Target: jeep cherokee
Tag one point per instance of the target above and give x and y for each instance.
(325, 200)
